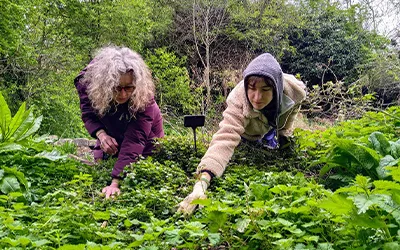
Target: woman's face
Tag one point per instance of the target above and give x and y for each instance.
(259, 92)
(125, 88)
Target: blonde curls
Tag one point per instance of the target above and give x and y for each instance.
(103, 76)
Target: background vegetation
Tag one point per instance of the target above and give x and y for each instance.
(196, 49)
(338, 187)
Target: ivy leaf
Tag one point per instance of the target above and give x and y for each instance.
(9, 184)
(380, 143)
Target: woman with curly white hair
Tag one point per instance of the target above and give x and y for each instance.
(116, 94)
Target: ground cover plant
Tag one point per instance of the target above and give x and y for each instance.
(266, 200)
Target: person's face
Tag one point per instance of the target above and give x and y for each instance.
(259, 92)
(124, 91)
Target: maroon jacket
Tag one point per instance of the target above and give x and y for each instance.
(134, 135)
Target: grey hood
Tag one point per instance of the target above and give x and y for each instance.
(265, 65)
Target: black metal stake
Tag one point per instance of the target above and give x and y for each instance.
(194, 134)
(194, 121)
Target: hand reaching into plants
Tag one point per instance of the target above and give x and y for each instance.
(107, 143)
(111, 190)
(199, 190)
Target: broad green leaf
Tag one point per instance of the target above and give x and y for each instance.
(52, 156)
(391, 246)
(20, 176)
(9, 241)
(284, 243)
(310, 238)
(1, 173)
(386, 161)
(25, 126)
(17, 120)
(380, 143)
(23, 241)
(172, 237)
(275, 235)
(346, 149)
(40, 243)
(9, 184)
(99, 215)
(7, 147)
(284, 222)
(364, 202)
(364, 220)
(337, 204)
(203, 202)
(5, 117)
(386, 185)
(216, 220)
(34, 127)
(395, 173)
(242, 224)
(395, 149)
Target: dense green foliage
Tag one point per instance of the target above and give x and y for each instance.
(45, 44)
(50, 202)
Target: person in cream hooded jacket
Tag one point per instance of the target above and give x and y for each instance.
(278, 97)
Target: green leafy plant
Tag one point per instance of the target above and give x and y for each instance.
(17, 128)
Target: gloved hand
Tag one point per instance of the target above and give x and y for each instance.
(111, 190)
(199, 190)
(107, 143)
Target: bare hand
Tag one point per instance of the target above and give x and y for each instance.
(111, 190)
(108, 144)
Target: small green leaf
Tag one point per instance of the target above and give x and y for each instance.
(203, 202)
(242, 224)
(101, 215)
(214, 238)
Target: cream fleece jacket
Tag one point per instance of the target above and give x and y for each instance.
(239, 119)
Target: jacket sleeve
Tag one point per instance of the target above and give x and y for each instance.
(135, 138)
(88, 114)
(225, 140)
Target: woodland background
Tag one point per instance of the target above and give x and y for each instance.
(197, 51)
